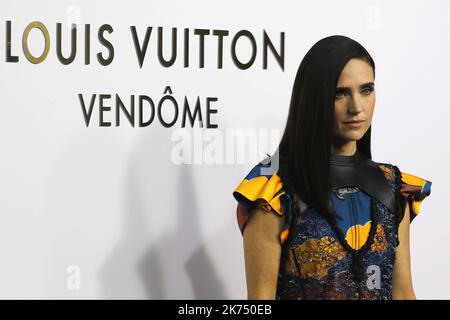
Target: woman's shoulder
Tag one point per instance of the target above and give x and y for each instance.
(262, 186)
(262, 182)
(414, 188)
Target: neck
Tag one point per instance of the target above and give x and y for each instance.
(344, 149)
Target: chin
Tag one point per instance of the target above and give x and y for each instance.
(353, 137)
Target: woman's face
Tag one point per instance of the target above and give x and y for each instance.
(354, 101)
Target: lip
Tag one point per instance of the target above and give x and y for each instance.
(354, 123)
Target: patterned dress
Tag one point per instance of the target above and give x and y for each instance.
(350, 257)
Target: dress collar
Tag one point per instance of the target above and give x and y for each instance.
(358, 171)
(342, 160)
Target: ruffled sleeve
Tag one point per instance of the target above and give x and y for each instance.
(264, 187)
(414, 190)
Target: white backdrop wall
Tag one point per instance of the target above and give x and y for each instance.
(106, 212)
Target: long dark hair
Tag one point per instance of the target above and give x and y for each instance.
(305, 148)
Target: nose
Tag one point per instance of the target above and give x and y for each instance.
(354, 105)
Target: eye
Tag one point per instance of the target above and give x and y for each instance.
(340, 93)
(367, 90)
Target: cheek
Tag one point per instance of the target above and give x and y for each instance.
(339, 113)
(370, 107)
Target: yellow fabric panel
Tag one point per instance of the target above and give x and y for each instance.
(412, 180)
(263, 188)
(420, 194)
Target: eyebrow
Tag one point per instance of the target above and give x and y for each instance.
(367, 84)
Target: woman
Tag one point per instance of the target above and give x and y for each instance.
(320, 219)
